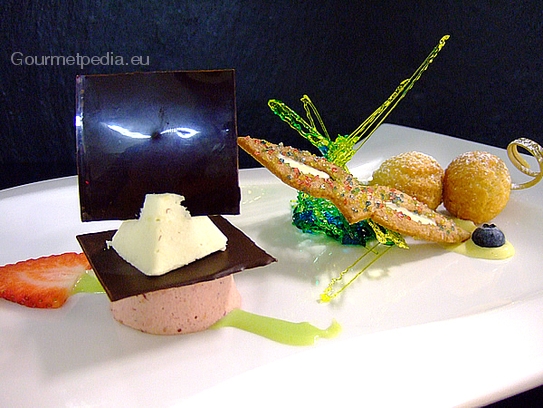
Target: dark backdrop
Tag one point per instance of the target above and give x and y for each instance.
(347, 56)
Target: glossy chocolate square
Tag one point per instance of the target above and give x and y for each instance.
(156, 132)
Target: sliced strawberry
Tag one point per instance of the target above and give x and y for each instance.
(45, 282)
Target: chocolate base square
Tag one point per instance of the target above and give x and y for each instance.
(120, 279)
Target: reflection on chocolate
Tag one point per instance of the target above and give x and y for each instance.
(159, 132)
(121, 280)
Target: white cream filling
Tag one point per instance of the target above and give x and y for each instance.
(304, 168)
(414, 216)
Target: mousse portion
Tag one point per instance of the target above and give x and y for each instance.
(181, 310)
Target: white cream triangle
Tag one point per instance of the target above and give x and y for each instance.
(166, 237)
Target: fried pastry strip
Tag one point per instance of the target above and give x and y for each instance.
(386, 206)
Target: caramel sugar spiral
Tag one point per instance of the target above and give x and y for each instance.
(522, 165)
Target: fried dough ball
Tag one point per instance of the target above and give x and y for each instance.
(414, 173)
(476, 186)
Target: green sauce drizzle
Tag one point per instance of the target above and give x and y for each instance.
(281, 331)
(469, 248)
(88, 283)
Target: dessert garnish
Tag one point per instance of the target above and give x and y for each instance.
(45, 282)
(156, 132)
(488, 236)
(387, 211)
(474, 248)
(522, 165)
(386, 206)
(340, 150)
(315, 214)
(165, 236)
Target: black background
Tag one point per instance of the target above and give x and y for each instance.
(347, 56)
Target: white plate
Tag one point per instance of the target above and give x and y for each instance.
(436, 329)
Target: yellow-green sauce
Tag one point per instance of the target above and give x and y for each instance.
(469, 248)
(88, 283)
(281, 331)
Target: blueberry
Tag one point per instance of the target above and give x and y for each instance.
(488, 236)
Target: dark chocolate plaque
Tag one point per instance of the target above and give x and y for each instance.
(121, 280)
(156, 132)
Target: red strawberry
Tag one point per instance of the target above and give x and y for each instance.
(45, 282)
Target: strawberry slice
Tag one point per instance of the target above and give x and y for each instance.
(45, 282)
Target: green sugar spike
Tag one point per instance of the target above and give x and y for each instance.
(342, 149)
(329, 292)
(310, 110)
(366, 129)
(386, 236)
(282, 331)
(296, 122)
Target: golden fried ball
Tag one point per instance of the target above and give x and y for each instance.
(414, 173)
(476, 186)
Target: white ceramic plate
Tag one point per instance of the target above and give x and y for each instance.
(426, 327)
